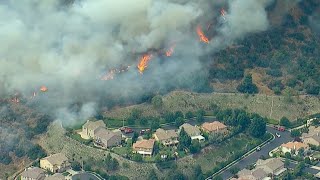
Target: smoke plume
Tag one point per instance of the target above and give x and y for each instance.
(68, 48)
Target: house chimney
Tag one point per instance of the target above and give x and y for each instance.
(294, 147)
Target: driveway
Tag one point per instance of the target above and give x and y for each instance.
(252, 158)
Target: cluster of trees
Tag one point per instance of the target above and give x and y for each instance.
(247, 86)
(16, 138)
(185, 142)
(111, 163)
(254, 124)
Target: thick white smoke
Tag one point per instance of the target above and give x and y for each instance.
(67, 48)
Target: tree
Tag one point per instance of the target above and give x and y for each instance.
(184, 140)
(247, 86)
(298, 170)
(200, 115)
(178, 114)
(157, 102)
(179, 121)
(169, 117)
(143, 121)
(198, 173)
(295, 133)
(189, 115)
(257, 127)
(152, 175)
(284, 121)
(135, 137)
(287, 155)
(35, 152)
(176, 175)
(75, 165)
(286, 162)
(155, 124)
(195, 146)
(137, 157)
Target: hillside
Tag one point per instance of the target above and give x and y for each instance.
(300, 106)
(286, 55)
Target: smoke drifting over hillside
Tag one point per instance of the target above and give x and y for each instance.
(68, 48)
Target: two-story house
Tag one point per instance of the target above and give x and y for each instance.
(55, 163)
(143, 147)
(89, 127)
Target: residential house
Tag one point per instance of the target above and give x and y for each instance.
(89, 127)
(33, 173)
(56, 176)
(166, 137)
(254, 174)
(293, 147)
(107, 138)
(55, 163)
(272, 166)
(263, 170)
(312, 137)
(144, 147)
(214, 128)
(192, 131)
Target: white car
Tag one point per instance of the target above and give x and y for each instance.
(278, 135)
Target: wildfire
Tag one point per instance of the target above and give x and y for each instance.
(43, 89)
(144, 62)
(201, 35)
(170, 51)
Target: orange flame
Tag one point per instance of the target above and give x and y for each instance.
(170, 51)
(43, 89)
(201, 35)
(144, 62)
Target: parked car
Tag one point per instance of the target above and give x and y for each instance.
(258, 148)
(279, 128)
(278, 135)
(143, 131)
(126, 130)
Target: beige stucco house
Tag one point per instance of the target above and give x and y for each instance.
(293, 147)
(263, 169)
(106, 138)
(33, 173)
(55, 163)
(89, 127)
(166, 137)
(312, 137)
(143, 147)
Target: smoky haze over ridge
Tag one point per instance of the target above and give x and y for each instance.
(68, 48)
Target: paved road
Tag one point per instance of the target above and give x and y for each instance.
(252, 158)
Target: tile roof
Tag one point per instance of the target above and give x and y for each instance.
(146, 144)
(213, 126)
(56, 159)
(165, 134)
(295, 145)
(33, 172)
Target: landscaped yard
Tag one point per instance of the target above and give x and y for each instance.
(210, 156)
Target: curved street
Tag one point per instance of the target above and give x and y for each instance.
(252, 158)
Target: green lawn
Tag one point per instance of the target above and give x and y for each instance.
(120, 150)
